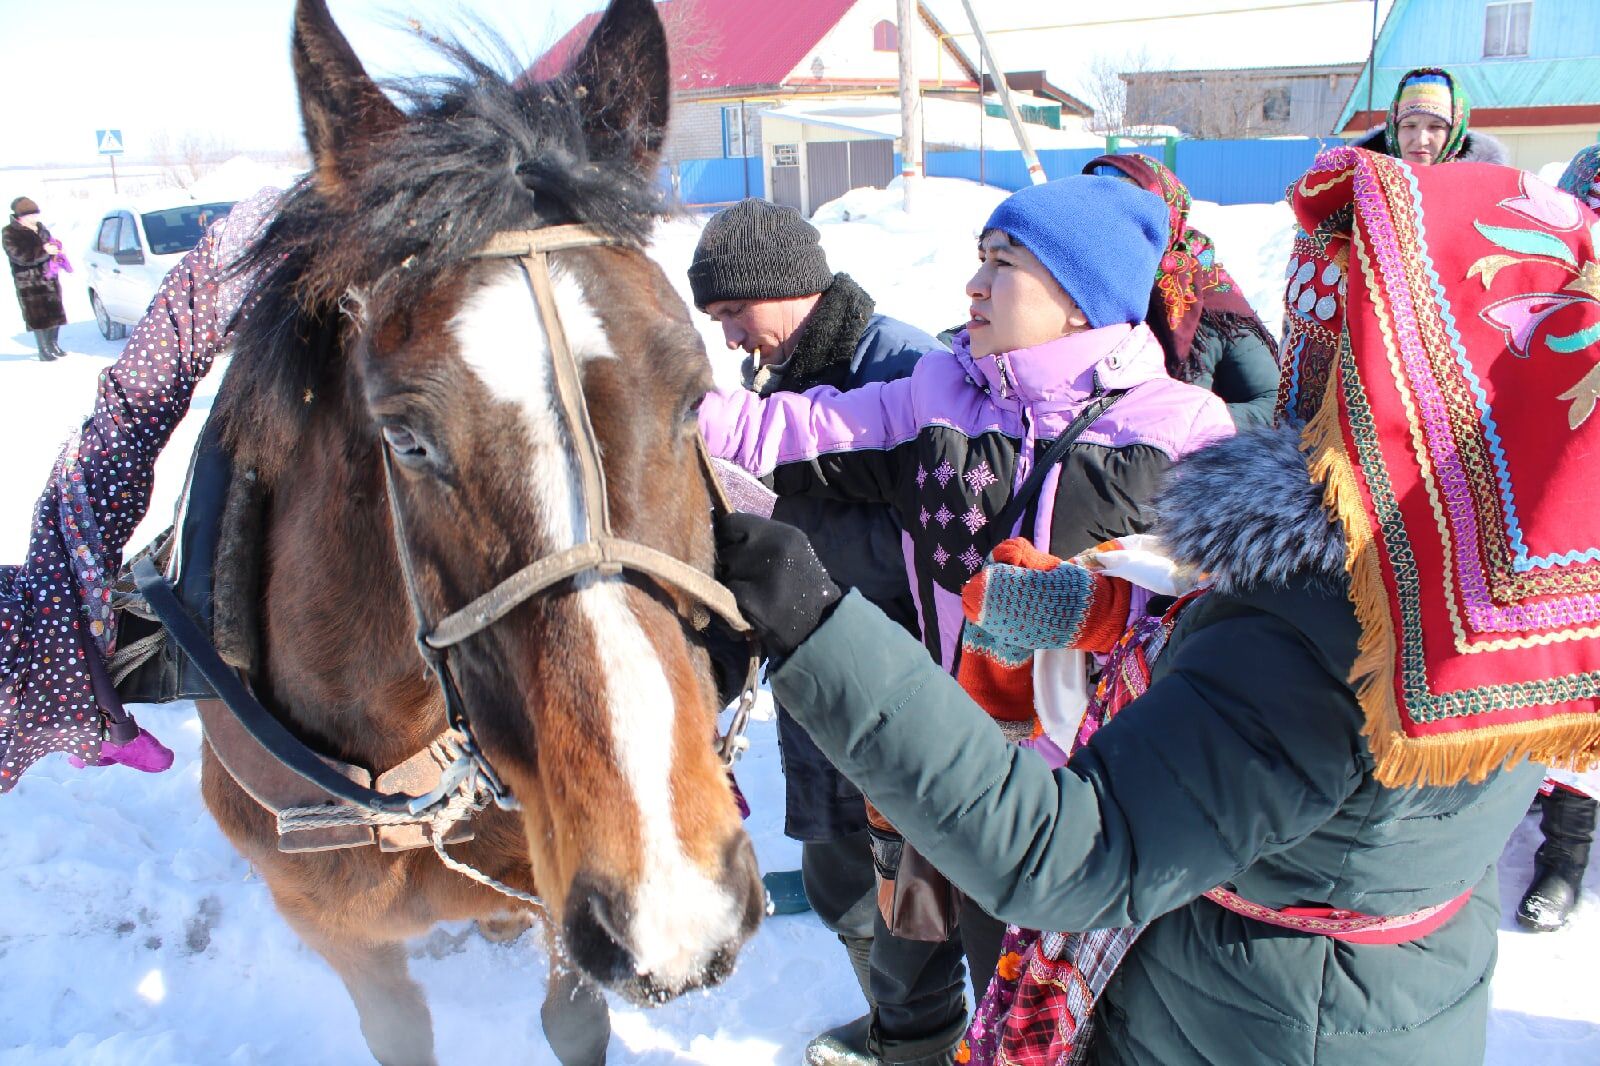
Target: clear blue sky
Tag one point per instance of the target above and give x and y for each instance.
(211, 66)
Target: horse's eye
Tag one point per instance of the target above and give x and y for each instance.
(404, 444)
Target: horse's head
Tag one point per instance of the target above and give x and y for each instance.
(379, 330)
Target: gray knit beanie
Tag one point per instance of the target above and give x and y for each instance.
(756, 250)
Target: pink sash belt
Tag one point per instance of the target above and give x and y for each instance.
(1350, 927)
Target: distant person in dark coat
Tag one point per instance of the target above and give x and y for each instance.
(30, 247)
(1428, 124)
(760, 272)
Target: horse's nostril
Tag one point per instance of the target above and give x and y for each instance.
(593, 931)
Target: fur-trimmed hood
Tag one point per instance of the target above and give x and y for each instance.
(1246, 511)
(1476, 147)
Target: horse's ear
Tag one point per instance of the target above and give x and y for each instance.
(342, 108)
(624, 76)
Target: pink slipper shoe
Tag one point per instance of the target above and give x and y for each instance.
(144, 752)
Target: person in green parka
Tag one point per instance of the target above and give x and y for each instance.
(1210, 334)
(1307, 832)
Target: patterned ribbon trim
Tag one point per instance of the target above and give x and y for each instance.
(1337, 922)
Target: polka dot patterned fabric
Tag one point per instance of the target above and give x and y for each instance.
(98, 491)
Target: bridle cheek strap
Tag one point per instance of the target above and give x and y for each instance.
(600, 551)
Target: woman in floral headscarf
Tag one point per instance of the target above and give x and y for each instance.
(1428, 124)
(1211, 335)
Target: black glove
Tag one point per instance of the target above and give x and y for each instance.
(775, 577)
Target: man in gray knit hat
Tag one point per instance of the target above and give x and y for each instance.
(760, 272)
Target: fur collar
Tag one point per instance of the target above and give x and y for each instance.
(1246, 511)
(828, 341)
(1475, 147)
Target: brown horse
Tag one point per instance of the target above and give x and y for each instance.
(376, 328)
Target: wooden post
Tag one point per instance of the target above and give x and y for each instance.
(1035, 170)
(910, 104)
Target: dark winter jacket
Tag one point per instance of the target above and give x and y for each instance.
(1475, 147)
(844, 345)
(1243, 764)
(39, 296)
(1240, 367)
(947, 447)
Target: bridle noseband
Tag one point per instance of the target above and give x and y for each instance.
(600, 552)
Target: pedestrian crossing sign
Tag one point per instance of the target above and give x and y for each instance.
(110, 141)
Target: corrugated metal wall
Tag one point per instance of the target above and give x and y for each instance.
(716, 181)
(1244, 172)
(1227, 172)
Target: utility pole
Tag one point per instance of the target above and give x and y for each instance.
(1372, 58)
(1035, 170)
(910, 104)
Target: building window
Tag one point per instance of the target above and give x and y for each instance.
(1505, 28)
(741, 131)
(1275, 107)
(885, 37)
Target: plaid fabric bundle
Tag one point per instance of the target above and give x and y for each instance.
(1039, 1007)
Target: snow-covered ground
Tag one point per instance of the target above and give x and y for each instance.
(132, 934)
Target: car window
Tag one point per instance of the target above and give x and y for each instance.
(107, 241)
(128, 237)
(180, 228)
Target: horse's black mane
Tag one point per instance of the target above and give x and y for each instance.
(478, 153)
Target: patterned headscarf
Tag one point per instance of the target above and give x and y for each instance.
(1443, 339)
(1190, 284)
(1429, 91)
(1582, 176)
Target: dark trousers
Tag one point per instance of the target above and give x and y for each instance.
(917, 986)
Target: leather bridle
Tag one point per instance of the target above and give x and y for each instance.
(600, 552)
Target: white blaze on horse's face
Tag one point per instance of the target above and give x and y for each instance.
(679, 915)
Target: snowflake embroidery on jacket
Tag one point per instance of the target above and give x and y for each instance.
(923, 518)
(971, 559)
(980, 477)
(922, 478)
(975, 519)
(944, 473)
(943, 516)
(940, 556)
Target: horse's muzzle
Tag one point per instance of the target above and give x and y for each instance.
(602, 934)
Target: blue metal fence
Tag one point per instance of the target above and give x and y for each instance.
(1245, 172)
(716, 181)
(1226, 172)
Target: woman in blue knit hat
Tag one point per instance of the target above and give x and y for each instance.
(1055, 353)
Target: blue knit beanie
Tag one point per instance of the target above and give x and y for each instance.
(1101, 240)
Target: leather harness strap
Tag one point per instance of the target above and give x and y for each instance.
(294, 782)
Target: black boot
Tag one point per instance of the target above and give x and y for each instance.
(46, 353)
(846, 1045)
(935, 1049)
(55, 345)
(843, 1045)
(1558, 865)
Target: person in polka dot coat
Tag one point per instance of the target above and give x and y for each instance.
(56, 625)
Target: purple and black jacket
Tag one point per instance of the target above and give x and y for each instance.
(946, 448)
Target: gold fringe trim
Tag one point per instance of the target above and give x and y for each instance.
(1570, 741)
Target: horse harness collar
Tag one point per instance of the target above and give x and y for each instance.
(321, 803)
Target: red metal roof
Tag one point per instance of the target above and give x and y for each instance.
(733, 42)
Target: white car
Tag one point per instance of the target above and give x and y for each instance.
(135, 246)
